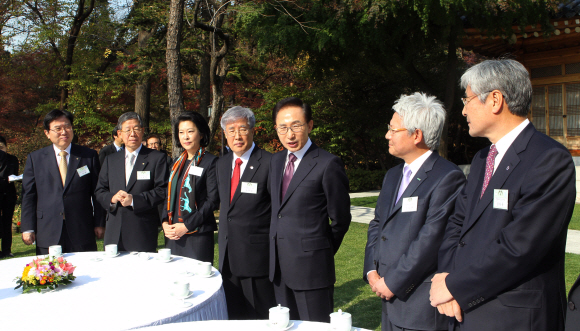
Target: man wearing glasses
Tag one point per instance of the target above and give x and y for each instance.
(131, 186)
(58, 201)
(310, 215)
(416, 200)
(242, 178)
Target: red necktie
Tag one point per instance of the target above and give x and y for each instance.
(235, 178)
(489, 163)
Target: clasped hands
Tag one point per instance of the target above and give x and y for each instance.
(174, 231)
(441, 298)
(377, 284)
(123, 197)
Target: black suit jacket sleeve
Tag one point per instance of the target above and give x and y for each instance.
(372, 236)
(99, 213)
(29, 196)
(206, 206)
(531, 234)
(335, 183)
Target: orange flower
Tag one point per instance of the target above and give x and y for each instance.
(25, 272)
(42, 282)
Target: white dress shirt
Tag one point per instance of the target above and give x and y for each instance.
(245, 158)
(299, 155)
(118, 148)
(58, 150)
(506, 141)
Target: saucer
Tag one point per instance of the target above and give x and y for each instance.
(109, 256)
(206, 276)
(96, 259)
(164, 261)
(183, 297)
(187, 273)
(284, 329)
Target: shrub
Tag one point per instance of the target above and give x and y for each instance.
(365, 180)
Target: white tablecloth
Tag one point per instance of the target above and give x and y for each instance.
(254, 325)
(118, 293)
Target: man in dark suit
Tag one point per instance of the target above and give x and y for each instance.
(573, 312)
(416, 200)
(309, 188)
(245, 213)
(8, 166)
(58, 201)
(116, 146)
(131, 196)
(501, 262)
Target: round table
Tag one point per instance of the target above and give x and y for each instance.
(253, 325)
(120, 293)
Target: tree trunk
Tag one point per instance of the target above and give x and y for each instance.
(450, 87)
(218, 79)
(143, 87)
(204, 84)
(173, 59)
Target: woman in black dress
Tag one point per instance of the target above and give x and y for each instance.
(192, 195)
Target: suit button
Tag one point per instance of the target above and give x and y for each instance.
(229, 219)
(273, 237)
(470, 304)
(279, 215)
(226, 237)
(374, 261)
(461, 243)
(383, 238)
(571, 305)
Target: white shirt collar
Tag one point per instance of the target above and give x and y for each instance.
(416, 165)
(58, 150)
(117, 147)
(506, 141)
(300, 154)
(135, 152)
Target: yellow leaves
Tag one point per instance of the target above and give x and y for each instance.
(107, 53)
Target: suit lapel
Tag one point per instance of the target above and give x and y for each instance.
(306, 164)
(140, 164)
(277, 165)
(225, 172)
(249, 172)
(506, 167)
(73, 163)
(52, 164)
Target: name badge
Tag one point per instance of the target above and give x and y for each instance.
(249, 187)
(143, 175)
(196, 171)
(500, 199)
(83, 171)
(409, 204)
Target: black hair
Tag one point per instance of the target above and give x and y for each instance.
(114, 132)
(199, 122)
(54, 114)
(3, 141)
(292, 101)
(153, 135)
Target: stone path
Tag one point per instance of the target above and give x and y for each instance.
(365, 215)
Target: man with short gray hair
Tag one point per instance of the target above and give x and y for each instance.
(501, 263)
(131, 185)
(416, 200)
(242, 178)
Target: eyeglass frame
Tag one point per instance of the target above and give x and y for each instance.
(393, 131)
(299, 128)
(131, 130)
(473, 96)
(60, 129)
(239, 131)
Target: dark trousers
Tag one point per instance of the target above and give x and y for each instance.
(247, 297)
(306, 305)
(66, 244)
(386, 325)
(6, 213)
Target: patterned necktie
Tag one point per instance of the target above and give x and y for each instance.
(129, 167)
(62, 166)
(235, 178)
(288, 173)
(489, 163)
(404, 182)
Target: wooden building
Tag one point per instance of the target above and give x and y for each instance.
(554, 65)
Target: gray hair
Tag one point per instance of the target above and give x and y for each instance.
(237, 113)
(128, 116)
(423, 112)
(508, 76)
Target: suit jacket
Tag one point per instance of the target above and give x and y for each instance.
(45, 201)
(105, 151)
(573, 312)
(507, 266)
(8, 166)
(402, 246)
(206, 198)
(302, 241)
(245, 222)
(135, 226)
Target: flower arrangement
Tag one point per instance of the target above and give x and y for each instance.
(45, 273)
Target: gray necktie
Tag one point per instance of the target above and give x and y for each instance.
(129, 167)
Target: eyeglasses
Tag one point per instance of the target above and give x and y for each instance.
(129, 131)
(466, 100)
(294, 128)
(393, 131)
(241, 131)
(59, 129)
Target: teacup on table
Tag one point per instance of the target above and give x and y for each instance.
(203, 269)
(111, 250)
(55, 250)
(164, 254)
(279, 317)
(340, 321)
(180, 289)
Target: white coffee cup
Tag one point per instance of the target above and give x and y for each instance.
(164, 254)
(111, 250)
(55, 250)
(204, 268)
(340, 321)
(279, 317)
(180, 288)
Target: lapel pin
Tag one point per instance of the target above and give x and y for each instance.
(419, 179)
(77, 158)
(508, 168)
(143, 163)
(251, 167)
